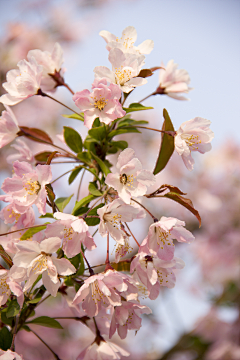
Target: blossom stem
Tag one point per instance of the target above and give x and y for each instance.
(54, 354)
(80, 184)
(107, 257)
(14, 333)
(132, 234)
(154, 93)
(68, 87)
(172, 133)
(89, 267)
(154, 218)
(83, 319)
(61, 176)
(26, 228)
(40, 92)
(85, 215)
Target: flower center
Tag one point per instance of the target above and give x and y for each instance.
(4, 288)
(68, 233)
(127, 43)
(97, 294)
(32, 187)
(122, 76)
(13, 214)
(112, 218)
(127, 179)
(40, 264)
(191, 141)
(163, 237)
(100, 103)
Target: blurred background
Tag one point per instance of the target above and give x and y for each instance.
(199, 318)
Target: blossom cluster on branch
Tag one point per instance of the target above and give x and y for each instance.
(49, 258)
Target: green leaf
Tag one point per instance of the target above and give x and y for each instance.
(74, 174)
(122, 266)
(82, 266)
(75, 261)
(93, 189)
(5, 339)
(62, 202)
(96, 123)
(50, 192)
(82, 202)
(98, 133)
(72, 139)
(47, 215)
(85, 157)
(30, 232)
(131, 122)
(46, 321)
(43, 156)
(136, 107)
(167, 144)
(5, 320)
(123, 130)
(13, 309)
(89, 143)
(26, 328)
(37, 298)
(93, 221)
(102, 165)
(75, 116)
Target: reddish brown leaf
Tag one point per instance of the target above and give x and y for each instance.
(145, 73)
(35, 134)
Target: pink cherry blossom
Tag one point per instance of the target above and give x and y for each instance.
(161, 234)
(130, 179)
(125, 69)
(27, 186)
(8, 127)
(24, 153)
(37, 259)
(9, 214)
(22, 83)
(102, 102)
(73, 231)
(103, 290)
(127, 317)
(102, 349)
(173, 81)
(51, 64)
(126, 42)
(10, 283)
(123, 249)
(9, 355)
(111, 217)
(193, 135)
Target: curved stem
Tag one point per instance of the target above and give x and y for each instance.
(40, 92)
(54, 354)
(154, 93)
(61, 176)
(172, 133)
(68, 87)
(132, 234)
(154, 218)
(80, 184)
(89, 267)
(26, 228)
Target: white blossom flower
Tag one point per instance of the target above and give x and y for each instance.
(24, 153)
(9, 355)
(102, 350)
(193, 135)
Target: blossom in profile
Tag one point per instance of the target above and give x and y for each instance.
(125, 70)
(22, 83)
(37, 259)
(24, 153)
(9, 355)
(51, 64)
(130, 179)
(161, 234)
(101, 349)
(27, 186)
(126, 42)
(102, 102)
(173, 81)
(8, 127)
(73, 231)
(193, 135)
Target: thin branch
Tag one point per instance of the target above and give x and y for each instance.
(107, 257)
(61, 176)
(154, 218)
(171, 133)
(80, 184)
(68, 87)
(154, 93)
(132, 234)
(89, 267)
(26, 228)
(54, 354)
(40, 92)
(14, 333)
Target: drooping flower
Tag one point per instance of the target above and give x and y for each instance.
(102, 102)
(23, 83)
(103, 290)
(51, 64)
(37, 259)
(126, 42)
(101, 349)
(8, 127)
(9, 355)
(125, 70)
(193, 135)
(111, 217)
(130, 179)
(24, 153)
(161, 234)
(173, 81)
(73, 231)
(10, 283)
(127, 317)
(27, 186)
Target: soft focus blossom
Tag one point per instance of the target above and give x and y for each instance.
(102, 350)
(8, 127)
(130, 179)
(37, 259)
(193, 135)
(111, 217)
(125, 69)
(161, 234)
(173, 81)
(22, 83)
(27, 186)
(24, 153)
(9, 355)
(127, 317)
(73, 231)
(51, 64)
(126, 42)
(9, 214)
(102, 102)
